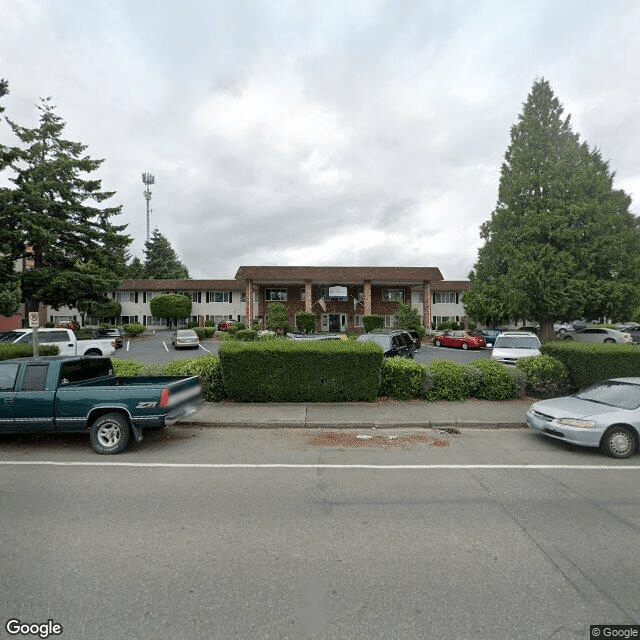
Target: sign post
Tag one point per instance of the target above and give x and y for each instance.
(34, 323)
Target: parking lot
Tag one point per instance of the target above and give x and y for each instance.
(154, 347)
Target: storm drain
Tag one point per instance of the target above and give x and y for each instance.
(450, 430)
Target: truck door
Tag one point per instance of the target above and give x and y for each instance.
(34, 402)
(8, 374)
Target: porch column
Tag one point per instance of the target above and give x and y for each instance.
(248, 302)
(308, 303)
(367, 297)
(426, 304)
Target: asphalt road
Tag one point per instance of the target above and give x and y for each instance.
(252, 534)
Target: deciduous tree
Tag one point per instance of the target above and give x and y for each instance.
(171, 306)
(561, 242)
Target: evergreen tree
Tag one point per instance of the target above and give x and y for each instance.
(161, 261)
(136, 270)
(561, 242)
(74, 251)
(10, 292)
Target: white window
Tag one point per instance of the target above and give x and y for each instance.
(389, 322)
(276, 294)
(393, 295)
(445, 297)
(125, 296)
(357, 321)
(220, 296)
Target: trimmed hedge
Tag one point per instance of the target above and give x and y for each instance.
(134, 329)
(495, 381)
(10, 351)
(544, 376)
(401, 379)
(590, 363)
(207, 367)
(289, 371)
(446, 380)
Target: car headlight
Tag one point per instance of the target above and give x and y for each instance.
(573, 422)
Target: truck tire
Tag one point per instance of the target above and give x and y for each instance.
(93, 352)
(110, 433)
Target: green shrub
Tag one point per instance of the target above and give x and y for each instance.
(209, 331)
(210, 323)
(279, 370)
(255, 326)
(126, 368)
(544, 376)
(590, 363)
(306, 322)
(207, 367)
(134, 329)
(246, 335)
(192, 324)
(200, 332)
(10, 351)
(445, 380)
(496, 383)
(372, 322)
(401, 379)
(234, 328)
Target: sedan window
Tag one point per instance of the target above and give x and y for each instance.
(615, 394)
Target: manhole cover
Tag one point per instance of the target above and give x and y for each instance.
(450, 430)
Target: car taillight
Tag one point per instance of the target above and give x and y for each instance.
(164, 398)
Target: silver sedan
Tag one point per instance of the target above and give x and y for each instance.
(606, 415)
(598, 335)
(185, 338)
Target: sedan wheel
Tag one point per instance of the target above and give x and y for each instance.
(570, 338)
(437, 343)
(465, 346)
(619, 442)
(609, 341)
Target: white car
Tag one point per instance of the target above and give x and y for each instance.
(599, 335)
(606, 415)
(513, 345)
(562, 327)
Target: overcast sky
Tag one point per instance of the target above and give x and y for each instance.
(341, 132)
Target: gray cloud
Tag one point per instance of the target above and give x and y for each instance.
(365, 133)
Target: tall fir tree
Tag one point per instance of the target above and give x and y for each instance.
(10, 291)
(75, 253)
(561, 242)
(161, 261)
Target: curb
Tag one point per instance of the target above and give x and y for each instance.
(284, 424)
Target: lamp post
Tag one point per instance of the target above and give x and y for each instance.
(148, 179)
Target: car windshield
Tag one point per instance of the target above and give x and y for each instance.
(622, 395)
(10, 336)
(517, 342)
(186, 333)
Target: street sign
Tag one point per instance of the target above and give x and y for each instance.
(34, 319)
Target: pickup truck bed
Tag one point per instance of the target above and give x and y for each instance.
(82, 393)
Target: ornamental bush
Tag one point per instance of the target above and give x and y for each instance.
(134, 329)
(246, 335)
(446, 380)
(401, 378)
(126, 368)
(544, 376)
(9, 351)
(495, 383)
(306, 322)
(372, 322)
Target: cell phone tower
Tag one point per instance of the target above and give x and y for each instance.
(148, 179)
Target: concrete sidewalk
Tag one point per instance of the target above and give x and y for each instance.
(362, 415)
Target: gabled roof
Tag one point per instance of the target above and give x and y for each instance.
(411, 276)
(451, 285)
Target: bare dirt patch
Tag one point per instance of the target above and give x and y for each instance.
(338, 439)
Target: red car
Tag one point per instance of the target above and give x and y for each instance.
(223, 325)
(459, 339)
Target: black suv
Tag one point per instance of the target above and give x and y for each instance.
(393, 343)
(110, 333)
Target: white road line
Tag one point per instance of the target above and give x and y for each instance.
(128, 343)
(418, 467)
(207, 350)
(165, 346)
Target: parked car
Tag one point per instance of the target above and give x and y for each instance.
(489, 335)
(598, 335)
(223, 325)
(606, 415)
(415, 336)
(562, 327)
(57, 394)
(71, 324)
(633, 331)
(65, 339)
(460, 339)
(185, 338)
(393, 343)
(114, 333)
(314, 336)
(513, 345)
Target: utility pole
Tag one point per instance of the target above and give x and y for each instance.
(148, 179)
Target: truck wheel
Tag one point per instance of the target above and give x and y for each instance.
(110, 433)
(93, 352)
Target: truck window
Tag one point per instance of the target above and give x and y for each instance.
(86, 369)
(8, 372)
(35, 376)
(53, 336)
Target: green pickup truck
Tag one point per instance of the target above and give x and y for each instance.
(67, 393)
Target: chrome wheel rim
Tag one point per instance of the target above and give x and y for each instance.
(109, 435)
